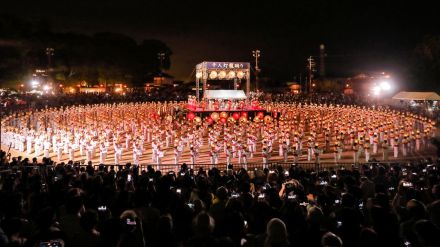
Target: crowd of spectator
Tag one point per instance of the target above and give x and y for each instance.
(71, 205)
(47, 204)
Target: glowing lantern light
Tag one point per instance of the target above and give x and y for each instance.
(223, 114)
(213, 75)
(235, 115)
(267, 119)
(222, 75)
(240, 74)
(215, 116)
(231, 74)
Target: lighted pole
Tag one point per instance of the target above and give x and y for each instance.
(310, 67)
(256, 54)
(161, 57)
(49, 52)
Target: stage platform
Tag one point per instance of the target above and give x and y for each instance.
(205, 110)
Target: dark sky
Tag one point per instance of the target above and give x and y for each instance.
(369, 35)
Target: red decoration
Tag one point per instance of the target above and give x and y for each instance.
(190, 116)
(244, 114)
(223, 120)
(209, 120)
(235, 115)
(260, 115)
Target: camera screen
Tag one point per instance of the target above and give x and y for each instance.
(51, 244)
(130, 222)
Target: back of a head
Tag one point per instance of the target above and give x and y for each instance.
(222, 193)
(88, 220)
(368, 237)
(276, 232)
(165, 224)
(74, 201)
(434, 212)
(314, 215)
(331, 240)
(204, 223)
(427, 233)
(416, 209)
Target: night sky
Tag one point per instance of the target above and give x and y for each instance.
(359, 37)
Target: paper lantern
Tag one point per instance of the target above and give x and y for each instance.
(260, 115)
(231, 75)
(222, 120)
(240, 74)
(190, 116)
(223, 114)
(235, 115)
(244, 114)
(231, 119)
(198, 120)
(215, 116)
(222, 75)
(213, 75)
(243, 119)
(209, 120)
(267, 119)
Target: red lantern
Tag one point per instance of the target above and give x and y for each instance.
(222, 120)
(223, 114)
(209, 120)
(244, 114)
(260, 115)
(235, 115)
(190, 116)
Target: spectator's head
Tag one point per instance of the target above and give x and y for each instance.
(74, 201)
(89, 220)
(331, 240)
(222, 193)
(314, 215)
(434, 212)
(276, 233)
(204, 224)
(427, 233)
(368, 237)
(416, 209)
(45, 218)
(165, 224)
(129, 220)
(199, 206)
(347, 200)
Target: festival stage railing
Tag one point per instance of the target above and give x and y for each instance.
(164, 168)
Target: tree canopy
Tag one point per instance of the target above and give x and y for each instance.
(97, 59)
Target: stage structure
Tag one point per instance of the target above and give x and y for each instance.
(236, 71)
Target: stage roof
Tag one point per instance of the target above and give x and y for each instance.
(225, 94)
(417, 96)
